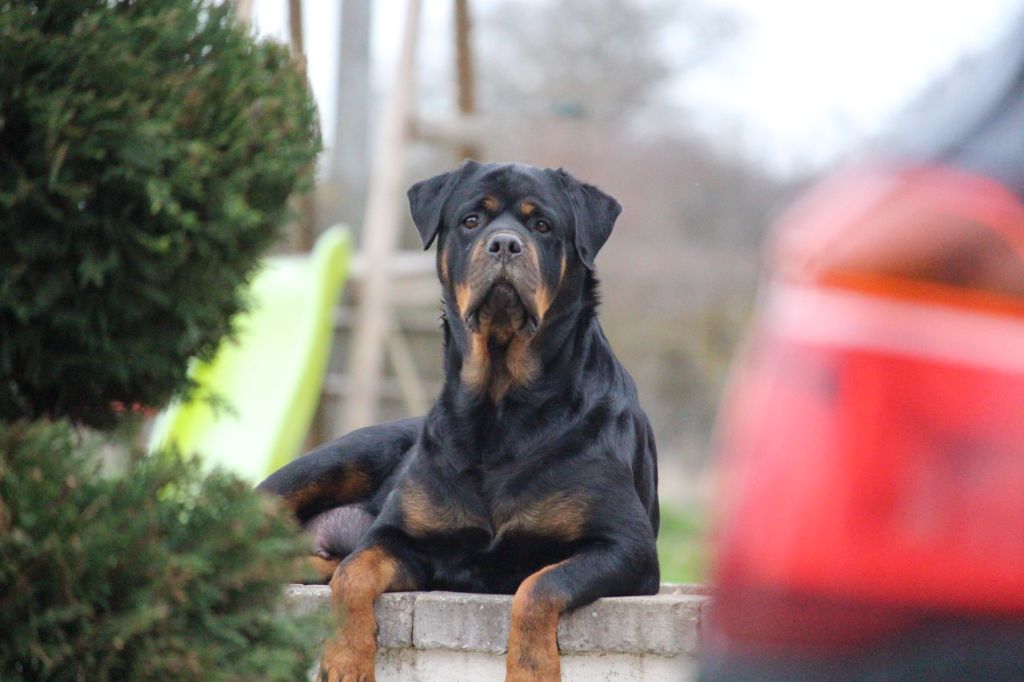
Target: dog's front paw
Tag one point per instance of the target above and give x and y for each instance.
(341, 663)
(537, 666)
(548, 674)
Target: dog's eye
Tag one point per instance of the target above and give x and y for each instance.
(542, 226)
(471, 221)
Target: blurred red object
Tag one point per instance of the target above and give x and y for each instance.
(872, 445)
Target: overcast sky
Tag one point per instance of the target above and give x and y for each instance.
(803, 82)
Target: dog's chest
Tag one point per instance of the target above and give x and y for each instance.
(520, 536)
(558, 515)
(511, 500)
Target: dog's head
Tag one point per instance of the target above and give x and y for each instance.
(515, 243)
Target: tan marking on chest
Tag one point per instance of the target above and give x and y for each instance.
(476, 368)
(482, 372)
(561, 515)
(424, 515)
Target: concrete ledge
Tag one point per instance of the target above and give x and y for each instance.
(455, 636)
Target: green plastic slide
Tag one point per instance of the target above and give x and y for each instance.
(269, 378)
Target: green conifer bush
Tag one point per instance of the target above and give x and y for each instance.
(155, 573)
(147, 152)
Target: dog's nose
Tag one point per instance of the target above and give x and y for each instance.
(504, 246)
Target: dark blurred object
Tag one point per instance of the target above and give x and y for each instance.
(872, 443)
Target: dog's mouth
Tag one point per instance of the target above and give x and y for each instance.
(501, 309)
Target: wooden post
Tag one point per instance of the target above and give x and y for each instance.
(384, 210)
(464, 72)
(302, 236)
(295, 38)
(243, 12)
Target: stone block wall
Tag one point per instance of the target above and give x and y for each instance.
(456, 637)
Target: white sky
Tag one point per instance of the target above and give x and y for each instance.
(810, 78)
(803, 82)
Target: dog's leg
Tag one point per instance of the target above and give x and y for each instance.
(350, 655)
(533, 630)
(543, 597)
(346, 470)
(324, 488)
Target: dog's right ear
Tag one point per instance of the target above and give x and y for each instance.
(427, 197)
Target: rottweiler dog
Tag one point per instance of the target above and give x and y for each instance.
(535, 471)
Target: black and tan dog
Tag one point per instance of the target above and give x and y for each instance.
(534, 473)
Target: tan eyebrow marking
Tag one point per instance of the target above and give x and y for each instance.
(490, 203)
(527, 208)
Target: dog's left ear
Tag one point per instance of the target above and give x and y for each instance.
(594, 212)
(427, 197)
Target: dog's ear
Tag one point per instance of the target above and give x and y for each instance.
(594, 213)
(427, 197)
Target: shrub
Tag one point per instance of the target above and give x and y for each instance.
(155, 573)
(147, 150)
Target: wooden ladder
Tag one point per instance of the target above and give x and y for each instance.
(381, 268)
